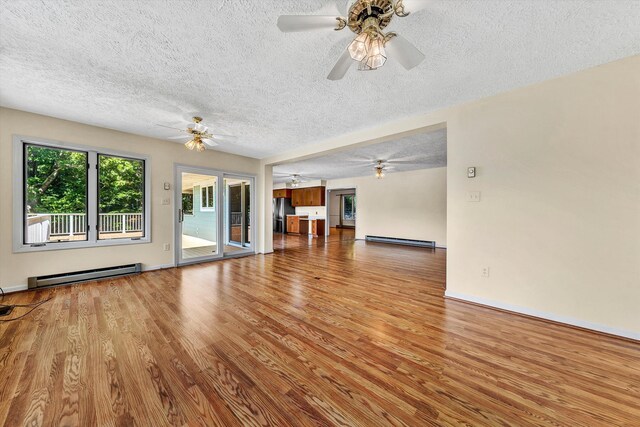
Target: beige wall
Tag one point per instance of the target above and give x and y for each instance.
(408, 205)
(15, 268)
(558, 223)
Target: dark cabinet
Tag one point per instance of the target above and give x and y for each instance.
(311, 196)
(282, 193)
(297, 198)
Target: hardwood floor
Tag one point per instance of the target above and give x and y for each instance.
(343, 333)
(293, 241)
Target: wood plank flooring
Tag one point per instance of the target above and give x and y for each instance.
(345, 333)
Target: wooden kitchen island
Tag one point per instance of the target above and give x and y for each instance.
(313, 227)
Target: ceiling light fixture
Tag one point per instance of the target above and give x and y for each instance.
(379, 170)
(200, 137)
(367, 19)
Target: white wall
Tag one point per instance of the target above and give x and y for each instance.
(15, 268)
(408, 205)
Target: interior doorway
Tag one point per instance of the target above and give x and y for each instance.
(342, 213)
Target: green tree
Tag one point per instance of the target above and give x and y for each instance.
(121, 185)
(56, 180)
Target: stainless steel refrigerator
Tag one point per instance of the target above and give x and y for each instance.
(281, 208)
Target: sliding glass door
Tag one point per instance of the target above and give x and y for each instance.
(238, 201)
(214, 215)
(198, 215)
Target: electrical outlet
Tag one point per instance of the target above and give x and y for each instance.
(473, 196)
(166, 201)
(471, 172)
(485, 272)
(166, 247)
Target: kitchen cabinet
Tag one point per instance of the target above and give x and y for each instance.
(293, 224)
(310, 196)
(317, 227)
(297, 197)
(282, 193)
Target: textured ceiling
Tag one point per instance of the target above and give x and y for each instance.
(128, 65)
(422, 151)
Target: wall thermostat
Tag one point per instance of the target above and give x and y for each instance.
(471, 172)
(167, 186)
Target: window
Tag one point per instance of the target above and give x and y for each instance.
(187, 203)
(72, 196)
(120, 197)
(207, 200)
(55, 195)
(349, 207)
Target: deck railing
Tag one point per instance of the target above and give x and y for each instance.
(76, 223)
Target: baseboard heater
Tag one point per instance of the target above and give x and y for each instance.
(397, 241)
(83, 276)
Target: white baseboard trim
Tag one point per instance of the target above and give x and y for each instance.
(546, 316)
(156, 267)
(15, 288)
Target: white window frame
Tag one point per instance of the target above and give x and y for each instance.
(92, 197)
(204, 208)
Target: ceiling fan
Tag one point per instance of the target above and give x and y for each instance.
(367, 19)
(199, 135)
(296, 179)
(382, 166)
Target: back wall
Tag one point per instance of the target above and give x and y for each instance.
(16, 268)
(408, 205)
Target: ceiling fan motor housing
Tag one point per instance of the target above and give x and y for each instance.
(362, 10)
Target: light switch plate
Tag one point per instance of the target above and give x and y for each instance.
(471, 172)
(167, 186)
(473, 196)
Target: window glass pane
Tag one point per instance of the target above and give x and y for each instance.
(55, 206)
(203, 199)
(349, 208)
(120, 197)
(187, 203)
(210, 197)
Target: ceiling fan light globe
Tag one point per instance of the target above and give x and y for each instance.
(191, 144)
(200, 147)
(359, 47)
(377, 55)
(375, 61)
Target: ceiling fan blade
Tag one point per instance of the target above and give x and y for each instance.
(170, 127)
(209, 142)
(342, 66)
(295, 23)
(412, 6)
(179, 137)
(226, 138)
(200, 127)
(403, 51)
